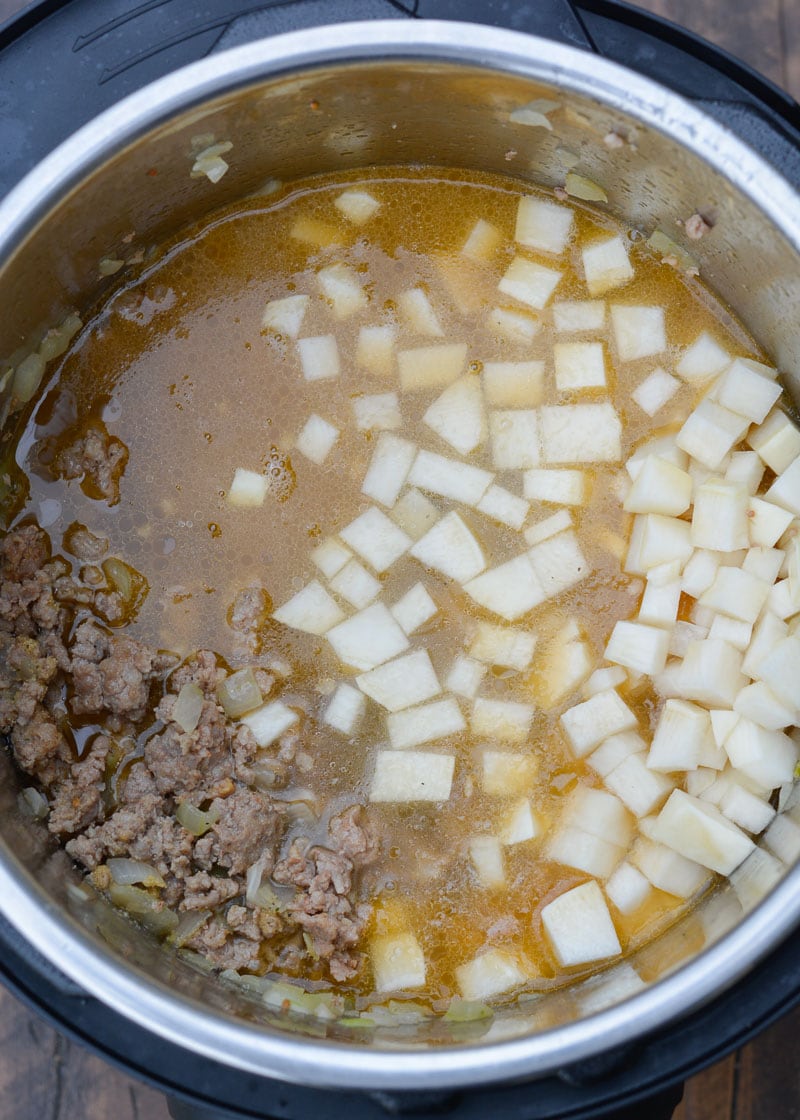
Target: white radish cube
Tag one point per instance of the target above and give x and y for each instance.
(486, 854)
(270, 721)
(345, 709)
(703, 359)
(543, 225)
(780, 668)
(510, 590)
(425, 724)
(579, 365)
(736, 593)
(513, 384)
(519, 824)
(638, 331)
(731, 630)
(579, 315)
(375, 349)
(490, 974)
(712, 673)
(558, 563)
(768, 632)
(450, 548)
(659, 606)
(311, 610)
(746, 810)
(653, 393)
(783, 839)
(425, 367)
(745, 467)
(415, 514)
(569, 661)
(752, 879)
(376, 539)
(401, 683)
(414, 609)
(515, 327)
(699, 832)
(506, 646)
(764, 563)
(398, 962)
(412, 776)
(458, 415)
(285, 316)
(615, 750)
(342, 289)
(748, 388)
(664, 447)
(781, 601)
(603, 679)
(785, 490)
(599, 814)
(465, 677)
(722, 723)
(639, 647)
(319, 357)
(719, 517)
(452, 479)
(505, 773)
(357, 206)
(563, 487)
(659, 487)
(515, 439)
(330, 557)
(418, 313)
(316, 439)
(314, 232)
(377, 412)
(663, 540)
(482, 241)
(667, 870)
(368, 638)
(777, 441)
(505, 721)
(530, 283)
(606, 265)
(355, 584)
(766, 757)
(709, 433)
(580, 433)
(700, 572)
(248, 489)
(683, 634)
(628, 889)
(501, 505)
(575, 848)
(579, 927)
(388, 470)
(548, 527)
(700, 781)
(588, 724)
(638, 787)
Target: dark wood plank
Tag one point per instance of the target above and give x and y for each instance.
(790, 30)
(768, 1080)
(709, 1096)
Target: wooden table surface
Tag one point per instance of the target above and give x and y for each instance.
(43, 1076)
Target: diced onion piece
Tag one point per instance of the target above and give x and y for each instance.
(269, 722)
(543, 225)
(602, 715)
(628, 889)
(414, 609)
(703, 359)
(415, 514)
(530, 283)
(330, 557)
(638, 331)
(580, 433)
(127, 871)
(238, 693)
(210, 163)
(671, 253)
(491, 973)
(507, 772)
(345, 709)
(506, 721)
(311, 610)
(667, 870)
(638, 646)
(482, 241)
(33, 803)
(355, 584)
(450, 548)
(458, 415)
(709, 433)
(57, 339)
(579, 186)
(719, 517)
(319, 357)
(506, 646)
(503, 506)
(248, 489)
(777, 441)
(388, 469)
(486, 854)
(465, 677)
(653, 393)
(512, 326)
(285, 316)
(579, 926)
(519, 824)
(711, 673)
(558, 563)
(699, 832)
(511, 590)
(548, 527)
(513, 384)
(311, 231)
(368, 639)
(194, 820)
(659, 487)
(376, 539)
(377, 412)
(398, 962)
(375, 349)
(416, 309)
(412, 776)
(579, 315)
(579, 365)
(424, 724)
(401, 683)
(357, 205)
(316, 439)
(515, 439)
(452, 479)
(562, 487)
(606, 265)
(534, 114)
(749, 388)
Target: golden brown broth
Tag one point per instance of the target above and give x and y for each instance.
(178, 365)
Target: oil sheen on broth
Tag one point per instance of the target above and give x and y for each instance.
(183, 365)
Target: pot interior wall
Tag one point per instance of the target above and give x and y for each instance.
(341, 118)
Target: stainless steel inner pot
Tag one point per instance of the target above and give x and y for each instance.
(343, 97)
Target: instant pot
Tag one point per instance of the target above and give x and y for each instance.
(696, 132)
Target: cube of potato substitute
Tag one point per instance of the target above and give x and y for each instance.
(425, 723)
(758, 703)
(375, 349)
(505, 721)
(711, 673)
(764, 563)
(248, 489)
(745, 467)
(345, 709)
(510, 590)
(785, 490)
(606, 265)
(548, 527)
(515, 438)
(439, 474)
(780, 668)
(458, 416)
(319, 357)
(638, 646)
(368, 638)
(376, 539)
(415, 514)
(709, 433)
(425, 367)
(749, 388)
(506, 646)
(311, 231)
(628, 889)
(657, 388)
(615, 750)
(316, 439)
(700, 571)
(399, 684)
(752, 879)
(662, 540)
(330, 556)
(667, 870)
(562, 487)
(558, 563)
(722, 723)
(575, 848)
(579, 926)
(416, 309)
(659, 487)
(513, 384)
(543, 225)
(783, 839)
(465, 676)
(486, 855)
(412, 776)
(507, 772)
(285, 316)
(602, 679)
(450, 548)
(719, 517)
(579, 315)
(664, 446)
(659, 605)
(377, 412)
(519, 824)
(579, 365)
(596, 719)
(699, 832)
(491, 973)
(516, 327)
(768, 632)
(389, 467)
(414, 609)
(482, 241)
(703, 359)
(342, 289)
(736, 593)
(639, 788)
(269, 722)
(311, 610)
(501, 505)
(599, 814)
(357, 206)
(580, 433)
(639, 332)
(567, 664)
(398, 962)
(530, 283)
(355, 584)
(777, 441)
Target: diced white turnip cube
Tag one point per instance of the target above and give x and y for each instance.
(666, 869)
(377, 412)
(314, 232)
(375, 349)
(579, 315)
(745, 467)
(575, 848)
(506, 646)
(766, 757)
(639, 647)
(507, 772)
(450, 548)
(465, 676)
(486, 854)
(709, 433)
(568, 663)
(723, 722)
(458, 415)
(615, 750)
(355, 584)
(548, 527)
(270, 721)
(514, 435)
(519, 824)
(319, 357)
(510, 590)
(664, 446)
(311, 610)
(599, 814)
(342, 289)
(562, 487)
(513, 384)
(425, 367)
(703, 359)
(412, 776)
(712, 673)
(516, 327)
(368, 638)
(580, 433)
(661, 540)
(783, 838)
(357, 206)
(606, 265)
(330, 556)
(768, 632)
(398, 962)
(414, 609)
(415, 514)
(596, 719)
(248, 489)
(345, 709)
(683, 634)
(752, 879)
(638, 331)
(659, 487)
(418, 313)
(745, 809)
(785, 490)
(736, 593)
(659, 606)
(781, 601)
(530, 283)
(579, 926)
(376, 539)
(452, 479)
(628, 889)
(316, 439)
(482, 241)
(501, 505)
(731, 630)
(699, 832)
(559, 563)
(399, 684)
(505, 721)
(389, 467)
(657, 388)
(777, 441)
(285, 316)
(579, 365)
(639, 788)
(780, 668)
(719, 517)
(490, 974)
(748, 388)
(543, 225)
(700, 572)
(425, 723)
(603, 679)
(764, 563)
